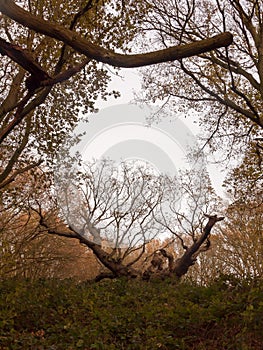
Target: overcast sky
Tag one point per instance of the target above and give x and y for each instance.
(161, 146)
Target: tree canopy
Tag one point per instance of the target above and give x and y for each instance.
(55, 64)
(224, 86)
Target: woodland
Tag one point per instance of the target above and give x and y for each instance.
(88, 251)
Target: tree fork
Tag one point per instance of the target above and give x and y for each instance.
(182, 265)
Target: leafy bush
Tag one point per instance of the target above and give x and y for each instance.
(129, 314)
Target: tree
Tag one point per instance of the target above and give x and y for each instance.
(224, 86)
(240, 242)
(117, 213)
(54, 66)
(28, 251)
(109, 210)
(244, 183)
(237, 248)
(33, 123)
(240, 239)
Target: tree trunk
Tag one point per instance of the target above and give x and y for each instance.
(182, 265)
(178, 268)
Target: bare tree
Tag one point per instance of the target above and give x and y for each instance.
(117, 212)
(111, 211)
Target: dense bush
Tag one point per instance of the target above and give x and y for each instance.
(121, 314)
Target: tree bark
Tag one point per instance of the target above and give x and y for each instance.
(182, 265)
(23, 58)
(100, 54)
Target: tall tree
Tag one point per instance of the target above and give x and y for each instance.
(240, 244)
(34, 119)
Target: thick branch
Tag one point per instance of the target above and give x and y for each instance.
(17, 118)
(38, 75)
(23, 109)
(11, 100)
(59, 78)
(183, 264)
(23, 58)
(117, 268)
(10, 9)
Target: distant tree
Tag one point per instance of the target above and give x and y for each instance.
(237, 248)
(26, 249)
(244, 183)
(240, 245)
(237, 243)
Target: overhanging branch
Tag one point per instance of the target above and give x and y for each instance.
(100, 54)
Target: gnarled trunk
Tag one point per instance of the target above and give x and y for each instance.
(180, 266)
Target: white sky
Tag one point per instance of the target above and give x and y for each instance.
(127, 85)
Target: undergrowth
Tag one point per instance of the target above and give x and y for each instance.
(130, 314)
